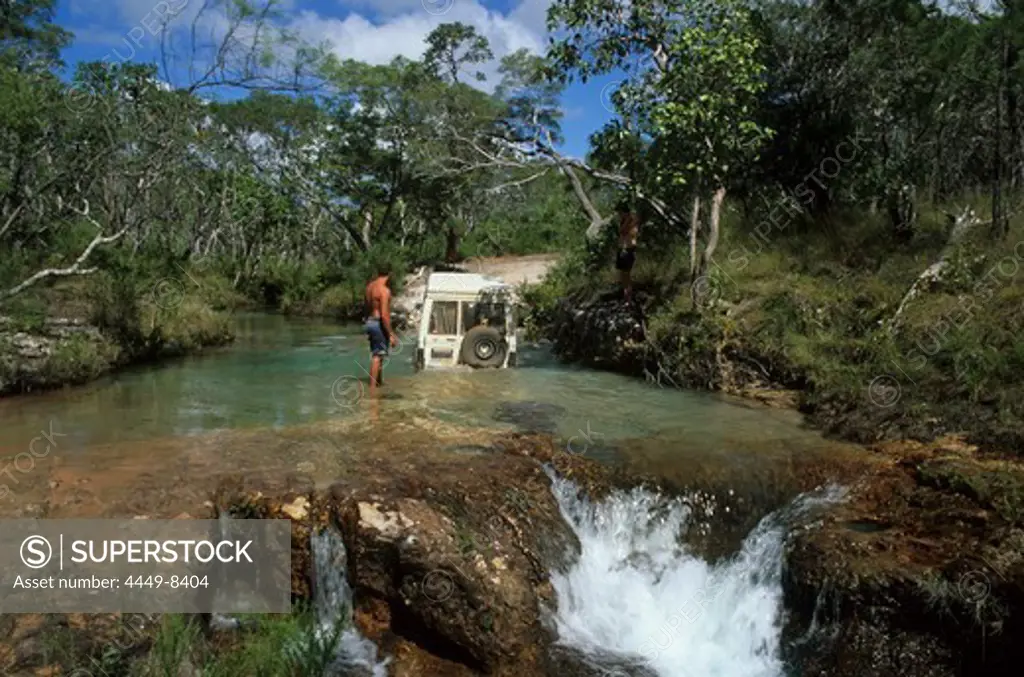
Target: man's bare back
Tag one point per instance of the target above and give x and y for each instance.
(378, 299)
(378, 323)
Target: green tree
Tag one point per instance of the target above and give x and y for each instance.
(690, 102)
(452, 47)
(29, 38)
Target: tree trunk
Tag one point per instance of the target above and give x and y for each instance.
(902, 212)
(694, 230)
(1011, 124)
(597, 223)
(714, 222)
(367, 228)
(452, 246)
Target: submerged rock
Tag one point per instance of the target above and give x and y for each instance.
(529, 416)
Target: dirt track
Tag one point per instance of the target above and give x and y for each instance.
(514, 269)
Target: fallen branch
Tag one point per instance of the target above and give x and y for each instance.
(76, 267)
(962, 224)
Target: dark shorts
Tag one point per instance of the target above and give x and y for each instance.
(378, 337)
(625, 260)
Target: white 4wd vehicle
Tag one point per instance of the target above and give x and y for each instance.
(467, 319)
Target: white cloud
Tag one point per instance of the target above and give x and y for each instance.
(399, 28)
(377, 33)
(533, 14)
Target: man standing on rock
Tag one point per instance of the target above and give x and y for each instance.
(378, 323)
(629, 229)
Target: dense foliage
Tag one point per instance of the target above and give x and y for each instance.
(868, 252)
(324, 166)
(286, 194)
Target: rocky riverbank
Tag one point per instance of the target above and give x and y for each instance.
(450, 549)
(605, 333)
(62, 351)
(65, 351)
(718, 351)
(919, 572)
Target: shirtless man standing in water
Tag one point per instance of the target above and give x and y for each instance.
(629, 229)
(378, 323)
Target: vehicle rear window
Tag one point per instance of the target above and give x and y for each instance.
(444, 318)
(491, 314)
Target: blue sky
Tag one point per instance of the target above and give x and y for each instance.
(369, 30)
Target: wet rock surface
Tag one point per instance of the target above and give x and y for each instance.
(920, 572)
(448, 554)
(728, 497)
(450, 571)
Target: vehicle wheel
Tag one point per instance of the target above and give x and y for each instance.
(483, 347)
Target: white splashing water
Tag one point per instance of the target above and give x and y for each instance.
(333, 602)
(354, 654)
(638, 595)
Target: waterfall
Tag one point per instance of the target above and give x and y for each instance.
(639, 596)
(356, 655)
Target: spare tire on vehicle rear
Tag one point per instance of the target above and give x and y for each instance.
(483, 347)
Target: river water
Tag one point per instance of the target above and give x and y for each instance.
(291, 394)
(282, 373)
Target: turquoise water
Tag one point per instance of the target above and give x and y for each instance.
(284, 372)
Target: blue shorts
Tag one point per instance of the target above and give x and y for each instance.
(378, 337)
